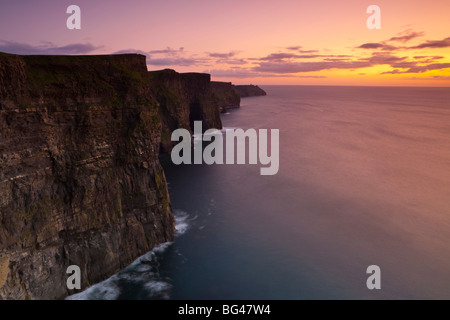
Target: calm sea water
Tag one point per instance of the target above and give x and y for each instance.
(364, 180)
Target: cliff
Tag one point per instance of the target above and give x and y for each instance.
(249, 91)
(80, 179)
(225, 95)
(183, 98)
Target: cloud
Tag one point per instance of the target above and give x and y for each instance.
(297, 48)
(312, 77)
(183, 62)
(383, 58)
(168, 51)
(227, 57)
(420, 69)
(428, 57)
(233, 61)
(406, 36)
(441, 77)
(444, 43)
(281, 56)
(308, 51)
(429, 78)
(297, 67)
(47, 48)
(380, 45)
(335, 59)
(371, 46)
(173, 58)
(223, 55)
(240, 73)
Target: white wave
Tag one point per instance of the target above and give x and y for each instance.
(160, 289)
(105, 290)
(182, 221)
(143, 271)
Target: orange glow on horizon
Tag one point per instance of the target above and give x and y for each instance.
(293, 42)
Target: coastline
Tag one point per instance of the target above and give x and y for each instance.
(81, 182)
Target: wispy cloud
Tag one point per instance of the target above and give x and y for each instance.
(406, 36)
(183, 62)
(281, 56)
(444, 43)
(47, 48)
(299, 49)
(376, 45)
(168, 51)
(242, 73)
(297, 67)
(420, 69)
(428, 78)
(223, 55)
(294, 48)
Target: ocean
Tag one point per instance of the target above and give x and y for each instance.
(364, 179)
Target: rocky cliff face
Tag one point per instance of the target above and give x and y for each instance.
(80, 180)
(184, 98)
(225, 95)
(245, 91)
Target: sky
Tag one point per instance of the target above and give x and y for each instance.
(260, 42)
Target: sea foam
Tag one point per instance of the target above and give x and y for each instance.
(143, 273)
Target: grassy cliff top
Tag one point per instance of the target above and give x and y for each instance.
(37, 80)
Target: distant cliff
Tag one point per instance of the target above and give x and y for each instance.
(183, 98)
(225, 95)
(249, 91)
(80, 179)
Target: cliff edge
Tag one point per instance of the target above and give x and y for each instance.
(183, 98)
(245, 91)
(80, 179)
(225, 95)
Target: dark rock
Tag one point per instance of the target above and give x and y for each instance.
(249, 91)
(225, 95)
(80, 179)
(183, 98)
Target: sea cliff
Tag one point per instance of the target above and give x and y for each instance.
(80, 178)
(225, 95)
(182, 99)
(245, 91)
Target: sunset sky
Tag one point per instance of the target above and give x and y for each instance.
(260, 42)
